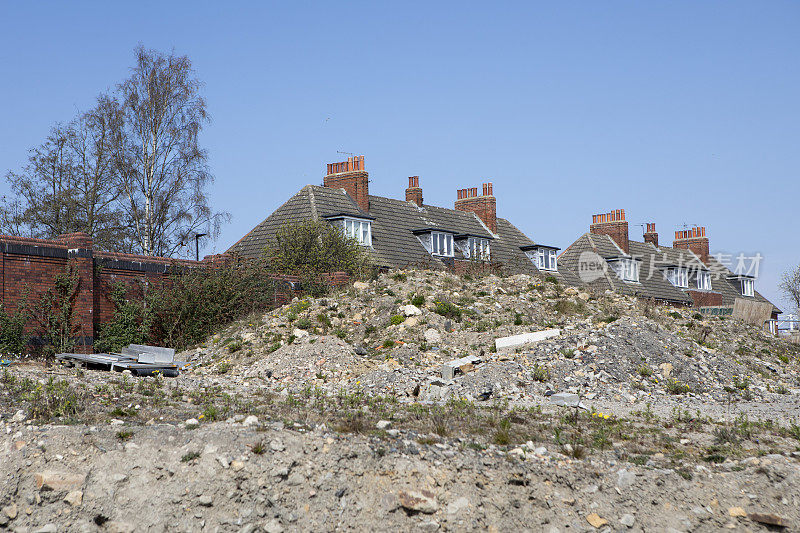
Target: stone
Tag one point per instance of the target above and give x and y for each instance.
(737, 512)
(383, 424)
(116, 526)
(423, 501)
(429, 525)
(19, 416)
(596, 521)
(432, 336)
(295, 479)
(450, 368)
(192, 422)
(666, 369)
(411, 322)
(299, 333)
(237, 466)
(10, 511)
(360, 286)
(525, 338)
(47, 528)
(625, 479)
(627, 520)
(458, 506)
(276, 445)
(74, 498)
(410, 310)
(273, 526)
(768, 519)
(53, 480)
(251, 420)
(567, 399)
(205, 500)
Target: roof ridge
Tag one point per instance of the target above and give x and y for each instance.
(313, 202)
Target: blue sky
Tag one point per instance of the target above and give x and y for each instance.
(678, 112)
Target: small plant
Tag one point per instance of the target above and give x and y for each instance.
(418, 300)
(697, 316)
(400, 276)
(224, 367)
(448, 310)
(551, 279)
(323, 319)
(502, 436)
(517, 319)
(674, 314)
(540, 373)
(340, 333)
(258, 448)
(235, 346)
(569, 353)
(303, 323)
(741, 383)
(210, 413)
(388, 343)
(124, 435)
(397, 319)
(645, 371)
(677, 387)
(191, 456)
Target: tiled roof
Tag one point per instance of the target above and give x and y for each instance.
(652, 281)
(394, 244)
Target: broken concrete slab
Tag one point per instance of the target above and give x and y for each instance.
(525, 338)
(450, 368)
(567, 399)
(52, 480)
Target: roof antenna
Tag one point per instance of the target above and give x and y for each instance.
(345, 153)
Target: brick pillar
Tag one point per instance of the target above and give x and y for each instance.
(351, 176)
(80, 254)
(414, 191)
(614, 225)
(650, 235)
(485, 205)
(693, 239)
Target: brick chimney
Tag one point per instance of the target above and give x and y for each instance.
(614, 225)
(693, 239)
(485, 206)
(351, 176)
(414, 191)
(650, 235)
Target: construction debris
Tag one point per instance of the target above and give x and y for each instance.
(525, 338)
(462, 365)
(140, 360)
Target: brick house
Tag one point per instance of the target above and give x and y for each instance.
(685, 274)
(407, 232)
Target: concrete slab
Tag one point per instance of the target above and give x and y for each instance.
(525, 338)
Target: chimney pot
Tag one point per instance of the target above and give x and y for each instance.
(350, 175)
(614, 225)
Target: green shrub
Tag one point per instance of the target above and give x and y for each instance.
(418, 300)
(448, 310)
(13, 339)
(645, 371)
(540, 373)
(551, 279)
(677, 387)
(397, 319)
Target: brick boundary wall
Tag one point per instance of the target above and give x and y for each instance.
(28, 268)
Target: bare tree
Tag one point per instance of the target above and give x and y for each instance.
(155, 117)
(790, 285)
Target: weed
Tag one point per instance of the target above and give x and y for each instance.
(397, 319)
(675, 386)
(191, 456)
(645, 371)
(124, 435)
(540, 373)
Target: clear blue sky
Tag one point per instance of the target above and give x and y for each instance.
(678, 112)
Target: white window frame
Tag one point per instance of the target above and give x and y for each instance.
(678, 276)
(358, 229)
(547, 259)
(703, 280)
(478, 249)
(748, 287)
(627, 269)
(442, 244)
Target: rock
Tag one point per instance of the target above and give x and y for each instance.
(737, 512)
(410, 310)
(525, 338)
(432, 336)
(19, 416)
(251, 420)
(192, 422)
(625, 479)
(205, 500)
(596, 521)
(360, 286)
(74, 498)
(567, 399)
(295, 479)
(768, 519)
(666, 369)
(627, 520)
(430, 525)
(411, 322)
(237, 466)
(52, 480)
(383, 424)
(458, 506)
(273, 526)
(48, 528)
(276, 445)
(10, 511)
(423, 501)
(299, 333)
(116, 526)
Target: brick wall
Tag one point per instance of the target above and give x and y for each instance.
(29, 267)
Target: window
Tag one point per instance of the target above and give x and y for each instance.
(477, 249)
(627, 269)
(544, 257)
(748, 287)
(678, 276)
(360, 230)
(703, 280)
(442, 244)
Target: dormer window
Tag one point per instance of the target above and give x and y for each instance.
(746, 284)
(748, 287)
(441, 244)
(475, 248)
(678, 276)
(359, 229)
(627, 269)
(544, 257)
(703, 280)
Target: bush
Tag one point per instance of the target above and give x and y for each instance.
(677, 387)
(418, 300)
(129, 325)
(314, 247)
(448, 310)
(303, 323)
(13, 339)
(397, 319)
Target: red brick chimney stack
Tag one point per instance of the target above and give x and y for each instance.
(485, 206)
(414, 191)
(650, 235)
(350, 175)
(614, 225)
(693, 239)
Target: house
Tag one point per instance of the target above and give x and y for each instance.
(685, 274)
(402, 233)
